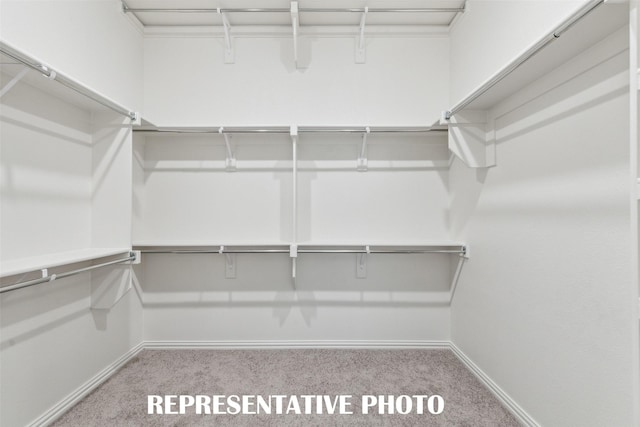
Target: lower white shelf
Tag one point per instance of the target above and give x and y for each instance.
(25, 265)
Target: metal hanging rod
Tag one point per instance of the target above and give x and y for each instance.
(549, 38)
(371, 130)
(51, 74)
(52, 277)
(286, 250)
(302, 129)
(288, 10)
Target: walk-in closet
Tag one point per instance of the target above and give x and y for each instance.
(353, 199)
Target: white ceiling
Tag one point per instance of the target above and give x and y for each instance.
(284, 18)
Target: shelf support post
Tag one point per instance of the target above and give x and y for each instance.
(229, 57)
(360, 42)
(230, 163)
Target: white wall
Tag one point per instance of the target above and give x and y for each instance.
(46, 164)
(544, 304)
(65, 184)
(187, 298)
(183, 194)
(491, 33)
(52, 343)
(404, 81)
(91, 41)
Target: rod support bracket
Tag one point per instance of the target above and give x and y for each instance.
(230, 266)
(136, 119)
(360, 42)
(229, 54)
(6, 88)
(466, 254)
(137, 257)
(361, 263)
(295, 24)
(362, 163)
(230, 162)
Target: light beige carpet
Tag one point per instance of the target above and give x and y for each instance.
(122, 400)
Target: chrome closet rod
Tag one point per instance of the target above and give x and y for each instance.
(300, 130)
(14, 53)
(52, 277)
(304, 251)
(372, 130)
(532, 51)
(287, 10)
(216, 131)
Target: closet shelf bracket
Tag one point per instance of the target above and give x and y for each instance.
(230, 162)
(229, 54)
(293, 254)
(6, 88)
(362, 159)
(230, 266)
(472, 137)
(295, 24)
(361, 263)
(360, 42)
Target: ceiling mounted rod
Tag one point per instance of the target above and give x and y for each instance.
(532, 51)
(51, 74)
(52, 277)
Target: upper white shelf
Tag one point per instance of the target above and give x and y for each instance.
(14, 62)
(566, 41)
(278, 12)
(308, 247)
(26, 265)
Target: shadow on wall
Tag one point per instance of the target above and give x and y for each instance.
(556, 100)
(264, 280)
(303, 51)
(36, 311)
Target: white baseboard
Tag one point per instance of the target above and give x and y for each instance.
(502, 396)
(293, 344)
(81, 392)
(64, 405)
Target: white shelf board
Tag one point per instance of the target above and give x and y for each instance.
(11, 68)
(597, 25)
(201, 243)
(26, 265)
